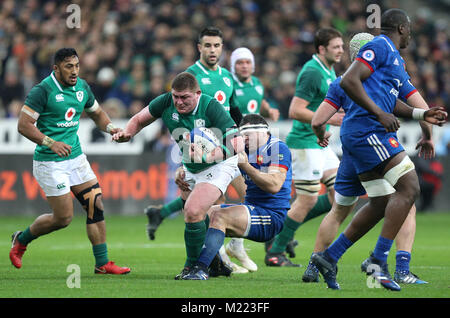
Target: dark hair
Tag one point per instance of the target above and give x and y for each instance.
(63, 53)
(324, 36)
(253, 119)
(392, 19)
(185, 81)
(210, 31)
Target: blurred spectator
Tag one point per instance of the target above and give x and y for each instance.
(443, 146)
(130, 50)
(115, 110)
(430, 173)
(11, 88)
(104, 84)
(14, 108)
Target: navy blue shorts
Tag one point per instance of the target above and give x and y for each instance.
(347, 182)
(369, 149)
(263, 223)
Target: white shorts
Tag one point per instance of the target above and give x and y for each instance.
(309, 164)
(219, 175)
(56, 177)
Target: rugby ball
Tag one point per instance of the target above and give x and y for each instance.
(205, 138)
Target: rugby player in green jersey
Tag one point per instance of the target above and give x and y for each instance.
(311, 164)
(182, 109)
(217, 82)
(248, 88)
(59, 165)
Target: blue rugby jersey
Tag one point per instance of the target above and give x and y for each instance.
(388, 81)
(274, 152)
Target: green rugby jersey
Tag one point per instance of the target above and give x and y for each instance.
(218, 83)
(59, 109)
(208, 113)
(249, 95)
(312, 85)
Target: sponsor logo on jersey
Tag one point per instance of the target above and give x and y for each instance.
(206, 81)
(259, 159)
(67, 124)
(175, 117)
(59, 98)
(199, 123)
(80, 96)
(368, 55)
(220, 97)
(60, 186)
(70, 113)
(252, 105)
(393, 142)
(396, 62)
(399, 84)
(259, 89)
(239, 92)
(394, 92)
(227, 81)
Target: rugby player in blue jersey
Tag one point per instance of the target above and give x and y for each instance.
(348, 187)
(266, 167)
(373, 82)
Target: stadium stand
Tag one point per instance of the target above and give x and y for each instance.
(130, 50)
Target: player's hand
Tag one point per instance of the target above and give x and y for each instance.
(196, 153)
(336, 119)
(121, 136)
(389, 121)
(242, 158)
(274, 114)
(325, 140)
(436, 116)
(115, 130)
(426, 148)
(61, 149)
(179, 179)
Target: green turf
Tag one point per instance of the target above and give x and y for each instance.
(155, 263)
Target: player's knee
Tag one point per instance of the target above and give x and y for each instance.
(60, 222)
(217, 218)
(193, 214)
(91, 200)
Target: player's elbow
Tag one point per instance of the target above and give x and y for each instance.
(22, 127)
(316, 123)
(274, 188)
(292, 113)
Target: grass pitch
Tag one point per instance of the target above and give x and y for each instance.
(155, 263)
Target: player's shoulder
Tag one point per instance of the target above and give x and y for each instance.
(207, 99)
(311, 71)
(41, 88)
(277, 142)
(82, 83)
(193, 69)
(335, 85)
(379, 43)
(226, 72)
(256, 80)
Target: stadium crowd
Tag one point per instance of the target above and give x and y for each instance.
(131, 49)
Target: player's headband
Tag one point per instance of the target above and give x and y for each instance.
(254, 128)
